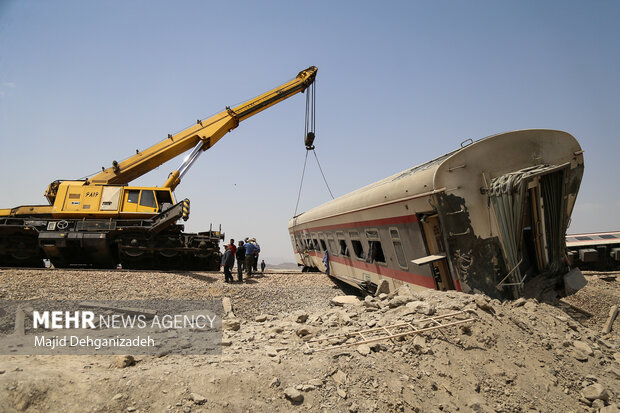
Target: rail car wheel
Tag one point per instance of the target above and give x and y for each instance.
(133, 258)
(13, 260)
(20, 249)
(168, 261)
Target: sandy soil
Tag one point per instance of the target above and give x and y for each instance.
(521, 356)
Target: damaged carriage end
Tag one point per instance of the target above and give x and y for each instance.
(508, 239)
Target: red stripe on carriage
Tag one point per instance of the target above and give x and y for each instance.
(405, 276)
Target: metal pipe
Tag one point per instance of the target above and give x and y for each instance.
(190, 159)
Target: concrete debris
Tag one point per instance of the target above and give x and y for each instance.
(613, 313)
(400, 300)
(421, 307)
(574, 281)
(342, 300)
(382, 288)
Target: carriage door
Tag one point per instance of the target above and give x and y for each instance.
(436, 253)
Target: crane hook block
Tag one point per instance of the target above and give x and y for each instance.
(309, 141)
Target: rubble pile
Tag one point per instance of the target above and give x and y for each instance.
(516, 356)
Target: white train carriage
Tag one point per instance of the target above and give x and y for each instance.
(489, 217)
(594, 251)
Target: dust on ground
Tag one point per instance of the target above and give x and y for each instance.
(517, 356)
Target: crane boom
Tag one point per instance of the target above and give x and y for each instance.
(201, 136)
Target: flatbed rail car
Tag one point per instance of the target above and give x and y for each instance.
(595, 251)
(488, 217)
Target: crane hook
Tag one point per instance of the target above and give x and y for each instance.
(309, 141)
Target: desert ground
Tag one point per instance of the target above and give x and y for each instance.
(514, 356)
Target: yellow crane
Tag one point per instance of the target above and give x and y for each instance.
(102, 221)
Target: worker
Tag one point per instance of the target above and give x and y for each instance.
(233, 250)
(227, 261)
(262, 266)
(250, 252)
(253, 241)
(240, 254)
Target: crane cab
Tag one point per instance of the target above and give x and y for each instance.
(75, 199)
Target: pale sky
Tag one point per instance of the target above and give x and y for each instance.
(83, 83)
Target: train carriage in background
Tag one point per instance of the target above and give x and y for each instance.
(488, 217)
(596, 251)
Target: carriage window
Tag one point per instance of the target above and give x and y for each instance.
(315, 244)
(323, 246)
(343, 249)
(375, 252)
(358, 249)
(332, 246)
(398, 248)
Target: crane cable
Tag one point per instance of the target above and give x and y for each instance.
(309, 134)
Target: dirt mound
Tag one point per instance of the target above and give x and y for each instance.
(516, 356)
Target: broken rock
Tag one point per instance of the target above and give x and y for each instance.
(483, 303)
(421, 307)
(231, 324)
(124, 361)
(574, 281)
(382, 288)
(595, 391)
(363, 349)
(227, 308)
(582, 350)
(197, 398)
(293, 395)
(342, 300)
(339, 377)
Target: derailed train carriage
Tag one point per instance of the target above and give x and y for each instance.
(488, 217)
